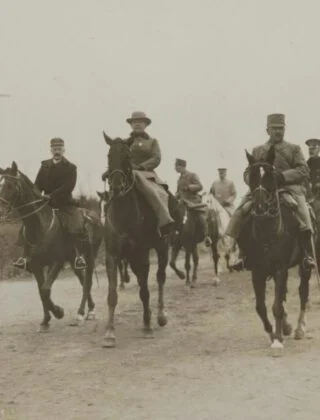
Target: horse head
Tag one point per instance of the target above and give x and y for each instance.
(120, 171)
(261, 178)
(16, 190)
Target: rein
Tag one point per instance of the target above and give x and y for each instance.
(11, 209)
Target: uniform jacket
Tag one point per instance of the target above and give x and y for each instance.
(289, 160)
(314, 166)
(224, 191)
(189, 187)
(144, 152)
(57, 180)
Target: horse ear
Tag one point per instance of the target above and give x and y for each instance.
(250, 158)
(14, 168)
(271, 155)
(107, 139)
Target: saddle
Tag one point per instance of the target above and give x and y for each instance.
(195, 207)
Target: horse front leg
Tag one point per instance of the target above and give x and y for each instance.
(187, 265)
(52, 274)
(112, 271)
(39, 275)
(215, 257)
(259, 280)
(140, 266)
(174, 255)
(162, 253)
(195, 259)
(304, 295)
(279, 313)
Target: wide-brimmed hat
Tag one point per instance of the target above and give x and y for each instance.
(56, 141)
(313, 142)
(276, 120)
(222, 169)
(181, 162)
(139, 115)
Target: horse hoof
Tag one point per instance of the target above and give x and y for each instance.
(78, 321)
(148, 332)
(91, 316)
(109, 342)
(127, 279)
(188, 283)
(276, 348)
(216, 281)
(299, 334)
(193, 285)
(308, 305)
(287, 329)
(58, 312)
(181, 275)
(162, 320)
(44, 328)
(121, 287)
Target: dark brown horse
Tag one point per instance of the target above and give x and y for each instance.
(50, 247)
(188, 236)
(122, 264)
(130, 233)
(269, 239)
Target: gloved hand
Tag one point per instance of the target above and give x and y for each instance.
(105, 175)
(280, 180)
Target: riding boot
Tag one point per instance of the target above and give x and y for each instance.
(80, 262)
(307, 249)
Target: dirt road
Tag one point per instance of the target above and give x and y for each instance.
(210, 362)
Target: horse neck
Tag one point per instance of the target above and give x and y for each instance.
(36, 218)
(125, 212)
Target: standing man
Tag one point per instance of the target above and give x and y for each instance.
(56, 179)
(292, 173)
(224, 191)
(314, 164)
(189, 187)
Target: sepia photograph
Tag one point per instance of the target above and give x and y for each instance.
(159, 210)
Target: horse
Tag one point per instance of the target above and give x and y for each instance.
(269, 239)
(122, 264)
(188, 236)
(130, 232)
(43, 232)
(218, 219)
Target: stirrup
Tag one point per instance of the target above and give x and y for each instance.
(207, 241)
(80, 263)
(21, 263)
(308, 263)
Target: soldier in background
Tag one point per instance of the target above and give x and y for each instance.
(314, 166)
(224, 191)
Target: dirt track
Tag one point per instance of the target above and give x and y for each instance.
(210, 362)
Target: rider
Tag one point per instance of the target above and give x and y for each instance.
(188, 190)
(314, 164)
(224, 191)
(56, 179)
(145, 155)
(292, 172)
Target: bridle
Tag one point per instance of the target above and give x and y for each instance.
(273, 201)
(273, 209)
(11, 204)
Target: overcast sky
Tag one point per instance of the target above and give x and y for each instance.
(207, 72)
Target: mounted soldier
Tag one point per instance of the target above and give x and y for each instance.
(56, 179)
(224, 191)
(145, 157)
(292, 173)
(314, 166)
(188, 189)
